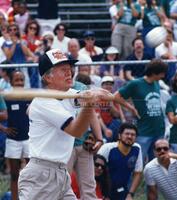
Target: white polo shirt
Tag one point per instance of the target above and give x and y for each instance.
(48, 118)
(164, 179)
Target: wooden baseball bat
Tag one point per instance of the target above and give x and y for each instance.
(29, 94)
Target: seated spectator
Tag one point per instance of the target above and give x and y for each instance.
(133, 71)
(116, 71)
(171, 111)
(60, 39)
(3, 18)
(160, 173)
(168, 50)
(110, 115)
(16, 50)
(101, 177)
(125, 164)
(4, 36)
(86, 69)
(90, 48)
(74, 51)
(5, 79)
(32, 35)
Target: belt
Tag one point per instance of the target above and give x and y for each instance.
(48, 163)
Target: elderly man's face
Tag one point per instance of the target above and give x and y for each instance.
(60, 77)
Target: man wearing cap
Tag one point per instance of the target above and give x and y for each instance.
(52, 129)
(90, 48)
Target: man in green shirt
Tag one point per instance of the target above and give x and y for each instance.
(145, 95)
(171, 111)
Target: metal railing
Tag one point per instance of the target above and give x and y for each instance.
(124, 62)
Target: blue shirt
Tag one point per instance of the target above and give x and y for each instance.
(18, 119)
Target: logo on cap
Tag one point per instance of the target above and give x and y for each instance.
(59, 55)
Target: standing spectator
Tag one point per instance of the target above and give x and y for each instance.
(160, 173)
(173, 15)
(153, 16)
(60, 39)
(81, 160)
(133, 71)
(171, 111)
(145, 94)
(3, 118)
(5, 5)
(47, 9)
(124, 159)
(17, 144)
(22, 17)
(53, 126)
(13, 10)
(126, 13)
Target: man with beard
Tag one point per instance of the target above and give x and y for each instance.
(160, 173)
(124, 159)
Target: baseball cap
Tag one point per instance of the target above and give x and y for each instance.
(111, 50)
(107, 79)
(89, 33)
(52, 58)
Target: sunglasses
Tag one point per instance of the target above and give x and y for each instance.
(32, 28)
(159, 149)
(13, 29)
(99, 165)
(61, 29)
(90, 38)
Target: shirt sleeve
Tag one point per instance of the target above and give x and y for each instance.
(127, 90)
(139, 162)
(105, 149)
(148, 176)
(2, 104)
(169, 107)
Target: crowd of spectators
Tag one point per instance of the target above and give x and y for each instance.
(151, 89)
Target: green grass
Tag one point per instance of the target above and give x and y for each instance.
(4, 184)
(139, 195)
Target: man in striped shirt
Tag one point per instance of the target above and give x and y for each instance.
(161, 173)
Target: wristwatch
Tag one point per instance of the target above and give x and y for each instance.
(131, 193)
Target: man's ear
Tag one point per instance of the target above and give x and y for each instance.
(48, 78)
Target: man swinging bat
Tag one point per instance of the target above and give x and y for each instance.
(53, 126)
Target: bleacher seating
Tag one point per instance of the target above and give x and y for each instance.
(80, 16)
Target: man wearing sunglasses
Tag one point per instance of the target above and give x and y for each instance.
(160, 173)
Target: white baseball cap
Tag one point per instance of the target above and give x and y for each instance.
(111, 50)
(107, 79)
(52, 58)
